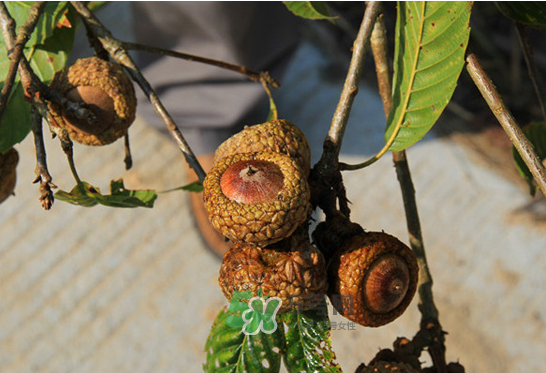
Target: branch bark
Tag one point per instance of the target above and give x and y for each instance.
(16, 52)
(119, 54)
(429, 313)
(507, 121)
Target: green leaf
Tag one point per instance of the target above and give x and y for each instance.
(536, 133)
(527, 12)
(86, 195)
(228, 349)
(308, 344)
(430, 43)
(195, 187)
(309, 9)
(46, 57)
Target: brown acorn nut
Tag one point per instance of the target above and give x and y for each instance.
(378, 276)
(105, 90)
(292, 270)
(256, 198)
(8, 163)
(276, 136)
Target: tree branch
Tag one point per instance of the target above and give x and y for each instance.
(118, 53)
(326, 176)
(507, 121)
(42, 173)
(429, 313)
(16, 52)
(252, 75)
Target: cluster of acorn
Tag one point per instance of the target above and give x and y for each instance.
(258, 196)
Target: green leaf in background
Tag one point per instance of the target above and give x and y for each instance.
(86, 195)
(195, 187)
(308, 344)
(536, 133)
(527, 12)
(47, 51)
(430, 44)
(309, 9)
(228, 349)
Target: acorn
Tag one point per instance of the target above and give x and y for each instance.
(292, 270)
(276, 136)
(8, 164)
(105, 90)
(256, 198)
(373, 278)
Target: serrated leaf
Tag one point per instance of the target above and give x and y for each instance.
(309, 9)
(430, 44)
(308, 344)
(536, 133)
(85, 194)
(229, 350)
(527, 12)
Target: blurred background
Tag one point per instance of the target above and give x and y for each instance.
(134, 290)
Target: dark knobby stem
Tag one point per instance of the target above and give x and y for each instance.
(118, 53)
(42, 173)
(431, 331)
(507, 121)
(16, 52)
(326, 176)
(128, 160)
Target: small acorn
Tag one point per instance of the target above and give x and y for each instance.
(8, 164)
(276, 136)
(292, 270)
(256, 198)
(105, 90)
(377, 274)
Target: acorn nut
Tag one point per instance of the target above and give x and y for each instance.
(105, 90)
(256, 198)
(292, 270)
(8, 164)
(276, 136)
(378, 273)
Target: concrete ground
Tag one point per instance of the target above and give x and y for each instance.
(133, 290)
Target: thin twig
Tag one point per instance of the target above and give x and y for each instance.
(507, 121)
(16, 52)
(252, 75)
(326, 175)
(529, 57)
(128, 160)
(42, 173)
(119, 54)
(429, 312)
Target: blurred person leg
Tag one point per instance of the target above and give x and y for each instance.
(209, 104)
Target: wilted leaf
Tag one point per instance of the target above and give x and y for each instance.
(309, 9)
(86, 195)
(536, 133)
(430, 44)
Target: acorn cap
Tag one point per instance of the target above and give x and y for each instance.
(107, 92)
(276, 136)
(292, 270)
(377, 274)
(256, 198)
(8, 164)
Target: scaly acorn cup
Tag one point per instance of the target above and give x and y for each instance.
(292, 270)
(276, 136)
(256, 198)
(8, 177)
(373, 278)
(105, 90)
